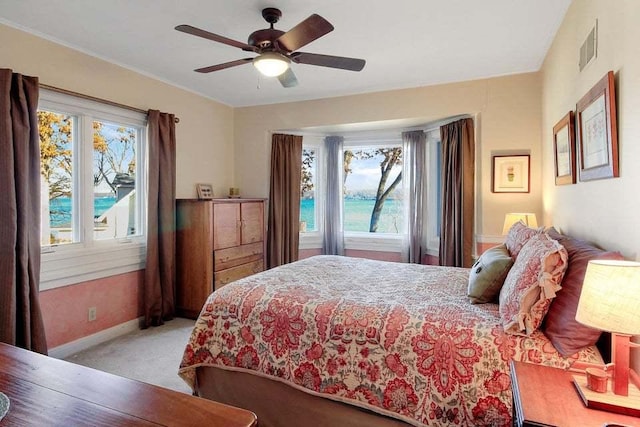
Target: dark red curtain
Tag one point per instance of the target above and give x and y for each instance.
(160, 272)
(20, 317)
(458, 211)
(284, 200)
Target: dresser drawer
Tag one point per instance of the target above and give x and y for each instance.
(232, 257)
(230, 274)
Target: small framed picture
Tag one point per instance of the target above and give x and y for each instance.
(564, 149)
(510, 174)
(205, 191)
(597, 131)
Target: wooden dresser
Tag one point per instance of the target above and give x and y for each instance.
(217, 241)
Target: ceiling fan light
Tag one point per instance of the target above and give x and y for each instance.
(271, 64)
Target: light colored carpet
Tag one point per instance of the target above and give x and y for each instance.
(150, 355)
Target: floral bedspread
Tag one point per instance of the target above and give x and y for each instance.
(397, 339)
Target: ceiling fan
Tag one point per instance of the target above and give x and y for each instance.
(276, 48)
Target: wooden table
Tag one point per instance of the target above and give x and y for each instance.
(44, 391)
(544, 396)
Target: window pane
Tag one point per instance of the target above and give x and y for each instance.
(307, 191)
(56, 160)
(373, 190)
(114, 180)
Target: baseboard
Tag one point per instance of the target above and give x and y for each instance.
(65, 350)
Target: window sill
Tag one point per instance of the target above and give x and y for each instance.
(68, 265)
(357, 241)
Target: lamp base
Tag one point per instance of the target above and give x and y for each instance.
(608, 401)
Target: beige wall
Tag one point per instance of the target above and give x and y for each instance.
(204, 134)
(507, 113)
(604, 211)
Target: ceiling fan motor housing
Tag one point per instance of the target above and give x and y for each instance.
(264, 39)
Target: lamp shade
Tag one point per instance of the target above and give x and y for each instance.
(271, 64)
(610, 298)
(529, 220)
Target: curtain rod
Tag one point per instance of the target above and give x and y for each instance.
(93, 98)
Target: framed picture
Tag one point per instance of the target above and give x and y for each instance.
(205, 191)
(564, 150)
(597, 131)
(511, 174)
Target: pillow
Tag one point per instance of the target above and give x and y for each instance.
(488, 273)
(531, 283)
(517, 236)
(560, 325)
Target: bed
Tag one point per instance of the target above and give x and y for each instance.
(344, 341)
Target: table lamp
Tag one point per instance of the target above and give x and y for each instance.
(529, 220)
(610, 301)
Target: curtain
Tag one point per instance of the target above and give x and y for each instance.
(21, 321)
(160, 272)
(284, 200)
(414, 148)
(333, 239)
(458, 170)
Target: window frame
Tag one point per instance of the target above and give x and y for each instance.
(431, 235)
(353, 240)
(313, 239)
(89, 258)
(385, 242)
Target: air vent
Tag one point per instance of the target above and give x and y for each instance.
(588, 50)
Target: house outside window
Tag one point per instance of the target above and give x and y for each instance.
(93, 189)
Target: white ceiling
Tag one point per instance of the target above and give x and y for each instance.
(406, 43)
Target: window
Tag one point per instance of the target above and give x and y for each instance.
(92, 188)
(373, 193)
(375, 204)
(308, 185)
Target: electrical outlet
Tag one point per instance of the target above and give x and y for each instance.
(92, 314)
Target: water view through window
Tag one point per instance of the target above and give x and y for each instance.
(114, 179)
(372, 186)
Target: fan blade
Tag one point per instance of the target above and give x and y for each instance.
(352, 64)
(304, 33)
(288, 78)
(212, 68)
(216, 38)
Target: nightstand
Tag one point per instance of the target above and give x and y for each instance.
(544, 396)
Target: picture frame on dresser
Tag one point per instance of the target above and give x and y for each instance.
(564, 150)
(597, 131)
(510, 174)
(205, 191)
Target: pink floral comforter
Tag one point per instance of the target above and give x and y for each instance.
(398, 339)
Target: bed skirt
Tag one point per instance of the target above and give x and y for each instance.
(279, 405)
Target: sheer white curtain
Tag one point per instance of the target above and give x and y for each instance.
(333, 239)
(414, 149)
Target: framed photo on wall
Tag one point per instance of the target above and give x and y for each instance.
(564, 150)
(597, 131)
(511, 174)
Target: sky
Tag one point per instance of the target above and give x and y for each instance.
(365, 174)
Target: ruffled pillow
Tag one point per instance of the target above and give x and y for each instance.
(531, 284)
(518, 235)
(487, 275)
